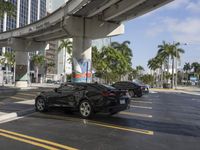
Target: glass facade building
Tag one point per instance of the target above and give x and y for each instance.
(34, 11)
(35, 8)
(23, 17)
(27, 11)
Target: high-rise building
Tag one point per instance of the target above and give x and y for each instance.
(53, 56)
(27, 11)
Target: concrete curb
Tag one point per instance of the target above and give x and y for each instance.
(14, 115)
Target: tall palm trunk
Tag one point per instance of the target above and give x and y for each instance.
(172, 72)
(161, 71)
(36, 74)
(6, 73)
(14, 69)
(168, 68)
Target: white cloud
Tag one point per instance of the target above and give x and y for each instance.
(182, 30)
(178, 4)
(187, 30)
(194, 7)
(154, 32)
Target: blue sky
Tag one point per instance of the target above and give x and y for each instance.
(178, 21)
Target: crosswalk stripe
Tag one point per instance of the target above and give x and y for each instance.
(134, 106)
(135, 114)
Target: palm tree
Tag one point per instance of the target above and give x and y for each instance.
(126, 52)
(124, 48)
(187, 67)
(9, 60)
(196, 68)
(7, 7)
(139, 70)
(133, 74)
(38, 60)
(167, 51)
(175, 53)
(163, 52)
(67, 45)
(50, 66)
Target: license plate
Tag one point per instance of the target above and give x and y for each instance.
(122, 101)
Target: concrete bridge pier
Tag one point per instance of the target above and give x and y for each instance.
(81, 63)
(21, 76)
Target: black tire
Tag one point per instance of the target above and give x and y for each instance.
(41, 105)
(85, 109)
(113, 113)
(139, 95)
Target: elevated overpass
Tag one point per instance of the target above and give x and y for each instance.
(82, 20)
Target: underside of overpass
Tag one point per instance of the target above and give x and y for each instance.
(82, 20)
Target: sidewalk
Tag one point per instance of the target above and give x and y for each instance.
(186, 90)
(10, 110)
(14, 110)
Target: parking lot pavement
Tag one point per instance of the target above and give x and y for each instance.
(172, 123)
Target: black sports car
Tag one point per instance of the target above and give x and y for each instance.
(87, 98)
(134, 89)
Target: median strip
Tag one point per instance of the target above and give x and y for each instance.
(34, 140)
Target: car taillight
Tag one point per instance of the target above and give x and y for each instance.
(107, 93)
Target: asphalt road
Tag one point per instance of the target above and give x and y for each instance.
(158, 121)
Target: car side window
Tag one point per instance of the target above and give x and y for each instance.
(90, 88)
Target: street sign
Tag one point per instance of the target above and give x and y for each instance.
(193, 78)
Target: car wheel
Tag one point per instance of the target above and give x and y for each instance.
(41, 105)
(85, 109)
(113, 113)
(131, 93)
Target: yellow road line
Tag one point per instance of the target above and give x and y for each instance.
(38, 140)
(19, 98)
(141, 102)
(28, 141)
(26, 94)
(135, 114)
(102, 124)
(134, 106)
(122, 128)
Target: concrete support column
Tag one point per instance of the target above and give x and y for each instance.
(81, 63)
(21, 76)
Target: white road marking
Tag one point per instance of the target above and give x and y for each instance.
(153, 92)
(28, 102)
(135, 114)
(134, 106)
(145, 102)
